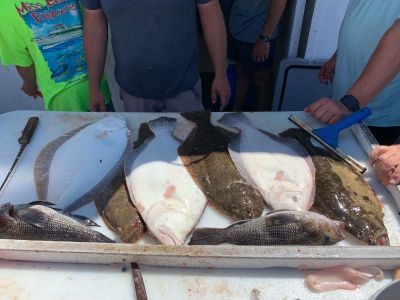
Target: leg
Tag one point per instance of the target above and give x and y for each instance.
(187, 101)
(242, 87)
(135, 104)
(263, 83)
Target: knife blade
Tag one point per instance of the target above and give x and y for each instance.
(24, 140)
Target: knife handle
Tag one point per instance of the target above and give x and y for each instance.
(28, 131)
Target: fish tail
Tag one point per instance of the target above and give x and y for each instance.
(162, 124)
(233, 119)
(207, 236)
(198, 117)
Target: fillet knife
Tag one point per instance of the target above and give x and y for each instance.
(329, 136)
(139, 283)
(24, 140)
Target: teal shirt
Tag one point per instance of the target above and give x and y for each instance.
(364, 24)
(247, 19)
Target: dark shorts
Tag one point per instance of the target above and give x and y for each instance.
(243, 53)
(386, 135)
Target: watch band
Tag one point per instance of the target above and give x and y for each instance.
(351, 103)
(265, 38)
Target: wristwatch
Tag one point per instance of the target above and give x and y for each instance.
(265, 38)
(351, 103)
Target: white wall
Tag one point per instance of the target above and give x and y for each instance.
(324, 29)
(11, 96)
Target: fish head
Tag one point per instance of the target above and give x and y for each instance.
(112, 123)
(380, 238)
(168, 221)
(285, 194)
(7, 214)
(331, 231)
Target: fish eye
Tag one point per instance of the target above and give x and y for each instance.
(327, 238)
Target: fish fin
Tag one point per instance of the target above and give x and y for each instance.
(43, 203)
(32, 216)
(104, 183)
(162, 124)
(228, 133)
(41, 169)
(207, 236)
(234, 151)
(234, 120)
(144, 134)
(241, 222)
(82, 220)
(198, 117)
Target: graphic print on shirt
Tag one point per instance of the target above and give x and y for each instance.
(57, 30)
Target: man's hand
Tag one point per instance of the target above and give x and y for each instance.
(97, 102)
(30, 88)
(327, 110)
(386, 160)
(261, 51)
(221, 88)
(395, 178)
(327, 72)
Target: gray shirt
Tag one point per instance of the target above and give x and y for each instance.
(154, 44)
(247, 19)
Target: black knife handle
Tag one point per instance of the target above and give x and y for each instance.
(28, 131)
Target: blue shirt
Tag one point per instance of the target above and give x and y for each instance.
(154, 44)
(247, 19)
(364, 24)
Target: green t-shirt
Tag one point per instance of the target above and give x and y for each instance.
(48, 34)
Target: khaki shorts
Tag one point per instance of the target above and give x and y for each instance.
(187, 101)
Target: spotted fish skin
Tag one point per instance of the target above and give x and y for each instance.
(343, 195)
(276, 228)
(39, 222)
(206, 156)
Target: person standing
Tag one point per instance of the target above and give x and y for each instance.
(155, 49)
(365, 69)
(44, 40)
(253, 25)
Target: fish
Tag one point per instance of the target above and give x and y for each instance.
(161, 188)
(72, 169)
(115, 206)
(342, 194)
(341, 277)
(41, 222)
(285, 227)
(280, 168)
(205, 154)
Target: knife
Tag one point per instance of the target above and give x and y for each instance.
(24, 140)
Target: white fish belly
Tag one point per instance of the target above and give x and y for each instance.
(163, 191)
(84, 160)
(271, 166)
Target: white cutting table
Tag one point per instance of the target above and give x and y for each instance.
(31, 280)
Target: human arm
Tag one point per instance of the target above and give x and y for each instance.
(213, 26)
(274, 14)
(382, 67)
(386, 161)
(327, 72)
(95, 34)
(29, 85)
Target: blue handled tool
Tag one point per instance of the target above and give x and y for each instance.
(330, 134)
